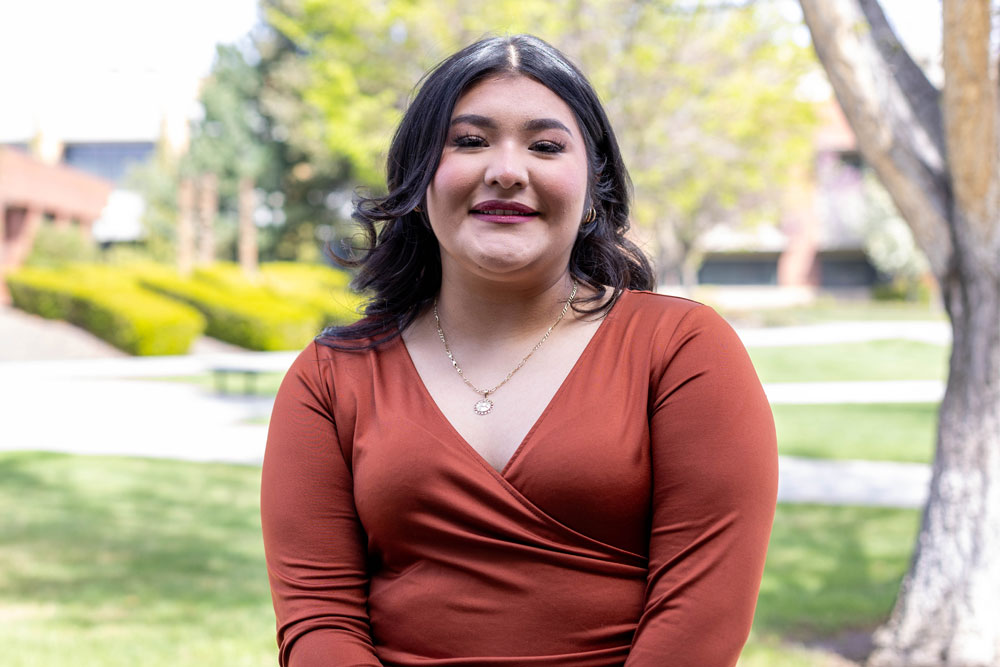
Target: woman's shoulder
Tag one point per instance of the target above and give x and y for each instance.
(324, 355)
(663, 310)
(666, 322)
(656, 300)
(663, 330)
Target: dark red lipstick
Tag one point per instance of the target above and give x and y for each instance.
(498, 210)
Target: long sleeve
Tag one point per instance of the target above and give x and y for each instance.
(714, 469)
(314, 543)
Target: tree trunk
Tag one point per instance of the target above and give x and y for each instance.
(247, 241)
(208, 206)
(185, 226)
(690, 265)
(669, 255)
(948, 610)
(940, 166)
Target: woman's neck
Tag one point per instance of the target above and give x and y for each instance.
(485, 311)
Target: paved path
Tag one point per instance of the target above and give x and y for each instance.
(882, 391)
(181, 421)
(877, 483)
(24, 336)
(27, 337)
(102, 405)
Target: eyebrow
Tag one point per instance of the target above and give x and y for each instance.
(533, 125)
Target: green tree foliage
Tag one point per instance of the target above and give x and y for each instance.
(156, 181)
(306, 182)
(226, 140)
(703, 98)
(254, 124)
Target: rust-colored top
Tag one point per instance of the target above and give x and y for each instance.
(630, 527)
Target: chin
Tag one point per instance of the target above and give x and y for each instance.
(502, 258)
(502, 266)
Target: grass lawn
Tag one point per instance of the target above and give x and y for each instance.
(264, 384)
(831, 577)
(833, 569)
(826, 309)
(114, 561)
(117, 561)
(873, 360)
(877, 431)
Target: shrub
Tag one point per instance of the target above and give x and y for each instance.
(58, 246)
(245, 315)
(324, 289)
(319, 288)
(316, 274)
(904, 289)
(110, 306)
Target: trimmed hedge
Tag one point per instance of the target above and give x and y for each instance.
(241, 314)
(110, 306)
(321, 289)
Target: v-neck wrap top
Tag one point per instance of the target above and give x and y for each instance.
(629, 528)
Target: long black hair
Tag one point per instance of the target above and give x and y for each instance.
(401, 265)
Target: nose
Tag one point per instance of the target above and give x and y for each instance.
(506, 168)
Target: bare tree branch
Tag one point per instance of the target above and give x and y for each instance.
(889, 132)
(924, 97)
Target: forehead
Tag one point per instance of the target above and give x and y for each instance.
(516, 96)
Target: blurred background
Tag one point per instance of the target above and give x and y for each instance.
(174, 177)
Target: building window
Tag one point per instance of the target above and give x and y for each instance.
(739, 269)
(110, 161)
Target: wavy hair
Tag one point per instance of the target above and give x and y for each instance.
(400, 264)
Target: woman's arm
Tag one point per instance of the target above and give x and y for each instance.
(715, 476)
(313, 540)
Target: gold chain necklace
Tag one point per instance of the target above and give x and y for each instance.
(484, 406)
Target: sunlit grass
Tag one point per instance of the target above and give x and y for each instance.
(109, 561)
(260, 384)
(773, 652)
(873, 360)
(871, 431)
(833, 569)
(112, 561)
(828, 309)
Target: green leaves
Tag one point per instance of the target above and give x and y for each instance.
(704, 103)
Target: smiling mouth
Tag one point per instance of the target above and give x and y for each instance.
(503, 211)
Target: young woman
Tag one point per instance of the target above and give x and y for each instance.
(520, 456)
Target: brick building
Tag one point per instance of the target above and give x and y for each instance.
(32, 192)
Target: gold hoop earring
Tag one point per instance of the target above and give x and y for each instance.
(591, 216)
(417, 209)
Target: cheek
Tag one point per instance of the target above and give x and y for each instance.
(452, 180)
(569, 188)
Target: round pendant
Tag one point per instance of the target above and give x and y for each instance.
(483, 406)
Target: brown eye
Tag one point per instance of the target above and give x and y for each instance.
(468, 141)
(548, 147)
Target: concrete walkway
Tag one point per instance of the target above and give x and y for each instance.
(25, 337)
(102, 405)
(182, 421)
(99, 407)
(876, 483)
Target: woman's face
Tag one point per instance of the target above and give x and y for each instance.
(509, 193)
